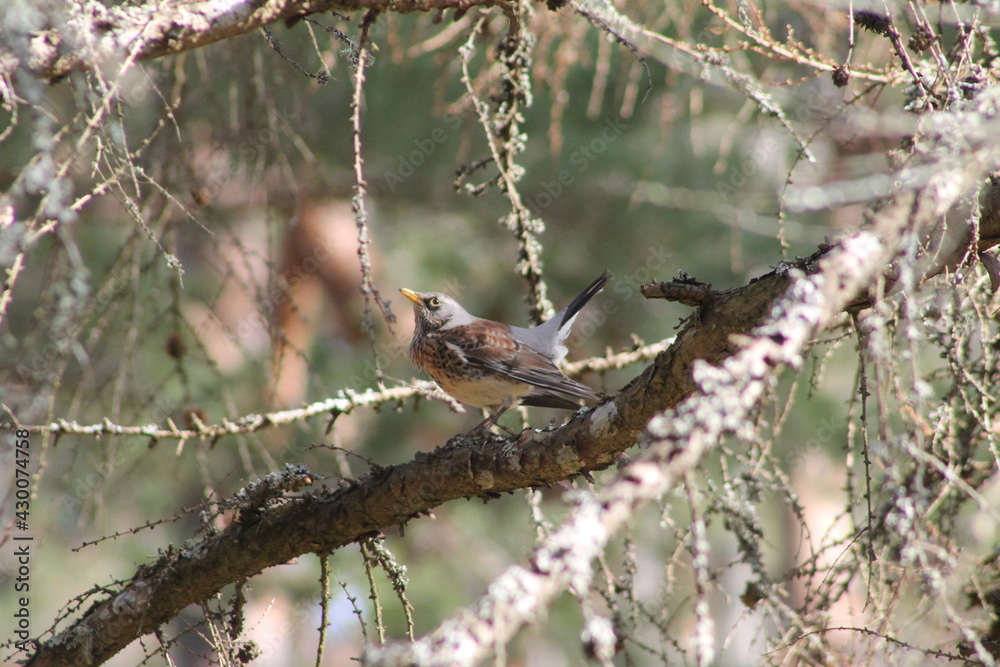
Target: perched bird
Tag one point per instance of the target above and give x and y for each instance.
(491, 365)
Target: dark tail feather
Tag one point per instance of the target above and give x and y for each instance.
(585, 296)
(550, 401)
(565, 394)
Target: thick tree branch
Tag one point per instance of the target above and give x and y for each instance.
(720, 404)
(326, 520)
(343, 402)
(948, 246)
(93, 32)
(722, 399)
(679, 442)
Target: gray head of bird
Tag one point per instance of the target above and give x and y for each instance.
(433, 311)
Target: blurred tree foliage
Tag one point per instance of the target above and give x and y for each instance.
(200, 274)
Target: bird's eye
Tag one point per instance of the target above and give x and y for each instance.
(433, 302)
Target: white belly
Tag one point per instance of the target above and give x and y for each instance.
(488, 392)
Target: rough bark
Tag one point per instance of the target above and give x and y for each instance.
(92, 34)
(325, 520)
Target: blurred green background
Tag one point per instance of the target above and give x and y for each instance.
(684, 177)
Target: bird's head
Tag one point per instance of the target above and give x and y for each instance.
(433, 311)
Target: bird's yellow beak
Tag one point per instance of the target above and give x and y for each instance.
(411, 295)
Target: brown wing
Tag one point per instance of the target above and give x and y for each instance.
(490, 345)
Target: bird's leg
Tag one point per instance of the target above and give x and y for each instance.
(491, 420)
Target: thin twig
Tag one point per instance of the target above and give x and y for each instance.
(368, 288)
(324, 605)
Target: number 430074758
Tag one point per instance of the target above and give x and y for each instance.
(22, 449)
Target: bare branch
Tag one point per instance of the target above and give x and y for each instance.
(343, 403)
(678, 440)
(327, 520)
(92, 31)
